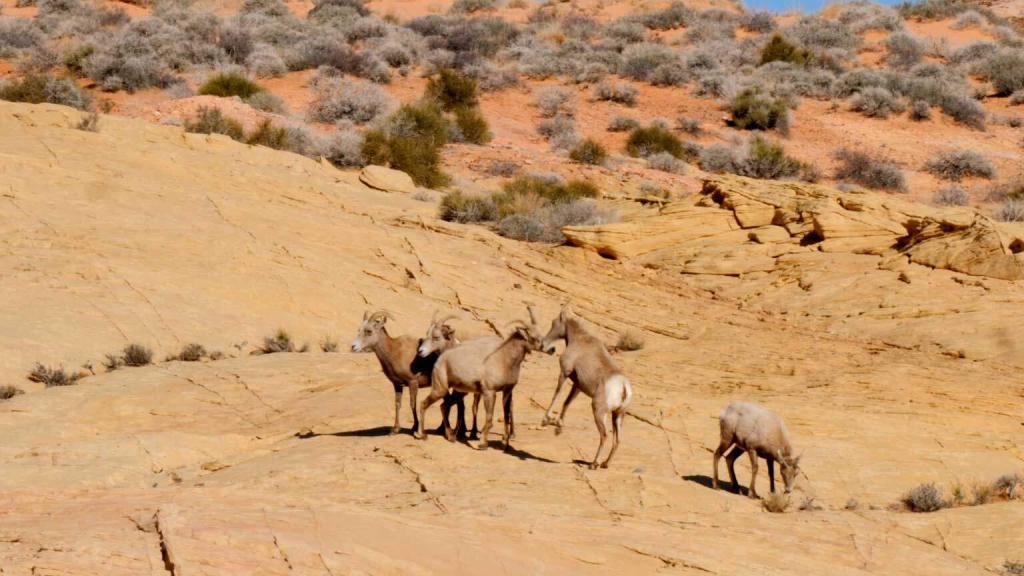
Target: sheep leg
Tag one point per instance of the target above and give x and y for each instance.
(722, 447)
(730, 463)
(437, 392)
(753, 472)
(506, 398)
(413, 389)
(771, 473)
(565, 407)
(616, 429)
(396, 428)
(600, 415)
(488, 418)
(476, 408)
(460, 429)
(549, 415)
(446, 409)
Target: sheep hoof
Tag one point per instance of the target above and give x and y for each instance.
(481, 445)
(592, 465)
(395, 430)
(558, 431)
(604, 465)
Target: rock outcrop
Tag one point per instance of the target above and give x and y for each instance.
(387, 179)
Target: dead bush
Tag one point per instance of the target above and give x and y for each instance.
(53, 376)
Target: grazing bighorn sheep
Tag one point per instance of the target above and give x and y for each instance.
(481, 368)
(399, 359)
(588, 365)
(760, 433)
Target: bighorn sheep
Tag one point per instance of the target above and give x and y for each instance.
(758, 432)
(588, 365)
(399, 359)
(480, 367)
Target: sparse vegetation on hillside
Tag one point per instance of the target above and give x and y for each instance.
(778, 49)
(342, 99)
(956, 164)
(653, 139)
(210, 120)
(924, 498)
(281, 341)
(53, 376)
(589, 151)
(752, 109)
(8, 392)
(40, 88)
(757, 159)
(411, 141)
(230, 84)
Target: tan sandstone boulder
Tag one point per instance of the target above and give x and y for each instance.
(387, 179)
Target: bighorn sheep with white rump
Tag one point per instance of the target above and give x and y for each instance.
(479, 367)
(588, 365)
(399, 359)
(760, 433)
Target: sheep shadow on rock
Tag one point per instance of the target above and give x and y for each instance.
(374, 432)
(705, 481)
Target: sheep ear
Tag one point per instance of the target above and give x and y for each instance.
(366, 314)
(796, 461)
(448, 331)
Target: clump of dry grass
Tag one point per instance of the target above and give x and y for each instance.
(281, 341)
(190, 353)
(629, 341)
(924, 498)
(53, 376)
(809, 505)
(8, 392)
(131, 355)
(329, 344)
(776, 502)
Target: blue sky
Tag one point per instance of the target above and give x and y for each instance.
(801, 5)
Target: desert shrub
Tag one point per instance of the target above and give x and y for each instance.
(876, 102)
(266, 134)
(854, 81)
(468, 38)
(229, 84)
(776, 502)
(629, 341)
(136, 355)
(472, 125)
(622, 124)
(653, 139)
(210, 120)
(920, 110)
(588, 151)
(90, 122)
(550, 190)
(411, 141)
(752, 109)
(1005, 70)
(1013, 568)
(672, 16)
(332, 51)
(759, 21)
(951, 195)
(620, 92)
(343, 148)
(954, 165)
(965, 110)
(53, 376)
(452, 90)
(281, 341)
(457, 206)
(720, 159)
(778, 49)
(1017, 98)
(1011, 211)
(863, 16)
(503, 168)
(767, 160)
(267, 102)
(666, 162)
(265, 62)
(973, 52)
(38, 88)
(471, 6)
(819, 34)
(924, 498)
(559, 124)
(688, 125)
(553, 101)
(1008, 486)
(903, 50)
(526, 227)
(545, 224)
(193, 352)
(18, 34)
(491, 78)
(329, 344)
(934, 9)
(640, 60)
(869, 171)
(342, 99)
(8, 392)
(968, 19)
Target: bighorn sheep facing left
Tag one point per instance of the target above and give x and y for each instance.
(760, 433)
(480, 368)
(399, 359)
(588, 365)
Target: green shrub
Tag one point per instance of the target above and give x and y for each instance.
(754, 110)
(74, 60)
(452, 90)
(645, 141)
(549, 190)
(472, 125)
(768, 160)
(230, 84)
(210, 120)
(266, 134)
(778, 49)
(411, 141)
(588, 151)
(40, 88)
(459, 207)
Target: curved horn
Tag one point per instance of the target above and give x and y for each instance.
(533, 316)
(444, 319)
(381, 316)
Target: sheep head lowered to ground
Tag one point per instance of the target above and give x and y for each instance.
(761, 434)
